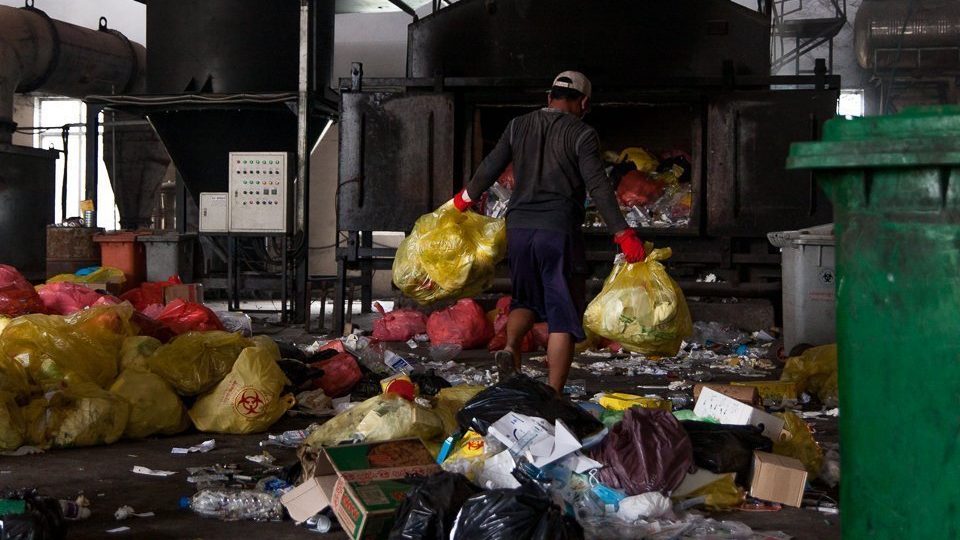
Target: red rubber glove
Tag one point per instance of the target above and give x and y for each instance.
(631, 245)
(462, 201)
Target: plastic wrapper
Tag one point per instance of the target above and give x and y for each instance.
(463, 324)
(647, 451)
(642, 159)
(86, 343)
(530, 341)
(340, 374)
(641, 307)
(135, 350)
(430, 508)
(381, 418)
(196, 361)
(524, 513)
(399, 324)
(723, 448)
(449, 254)
(232, 321)
(523, 395)
(78, 414)
(182, 317)
(815, 372)
(449, 401)
(12, 426)
(248, 399)
(17, 295)
(67, 298)
(154, 406)
(800, 444)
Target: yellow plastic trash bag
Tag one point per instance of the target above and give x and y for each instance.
(449, 255)
(154, 406)
(135, 351)
(640, 157)
(617, 401)
(196, 361)
(13, 379)
(86, 343)
(815, 372)
(722, 494)
(449, 401)
(12, 427)
(104, 274)
(800, 444)
(381, 418)
(248, 399)
(79, 414)
(641, 307)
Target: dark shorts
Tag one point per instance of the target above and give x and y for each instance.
(547, 270)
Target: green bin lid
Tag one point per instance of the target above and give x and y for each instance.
(912, 137)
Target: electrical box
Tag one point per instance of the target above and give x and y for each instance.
(214, 213)
(258, 192)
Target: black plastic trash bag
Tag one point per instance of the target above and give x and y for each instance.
(646, 451)
(429, 382)
(431, 507)
(525, 513)
(41, 520)
(521, 394)
(724, 449)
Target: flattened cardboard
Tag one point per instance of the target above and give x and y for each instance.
(778, 479)
(730, 411)
(744, 394)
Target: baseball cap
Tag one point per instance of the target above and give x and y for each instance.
(574, 80)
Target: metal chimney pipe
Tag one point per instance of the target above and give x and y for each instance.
(39, 53)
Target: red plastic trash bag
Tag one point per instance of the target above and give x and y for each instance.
(67, 298)
(463, 323)
(646, 451)
(499, 341)
(507, 179)
(399, 324)
(340, 374)
(17, 295)
(638, 189)
(182, 317)
(149, 293)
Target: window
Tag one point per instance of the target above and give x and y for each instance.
(50, 114)
(851, 102)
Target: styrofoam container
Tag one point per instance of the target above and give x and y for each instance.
(809, 285)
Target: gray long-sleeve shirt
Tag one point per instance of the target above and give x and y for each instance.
(556, 162)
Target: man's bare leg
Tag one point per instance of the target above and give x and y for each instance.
(519, 322)
(559, 357)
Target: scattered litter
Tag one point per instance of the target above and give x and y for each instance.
(412, 343)
(125, 512)
(118, 530)
(265, 459)
(202, 448)
(23, 451)
(137, 469)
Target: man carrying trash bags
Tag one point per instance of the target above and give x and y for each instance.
(556, 162)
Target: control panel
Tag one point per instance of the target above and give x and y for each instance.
(258, 192)
(214, 213)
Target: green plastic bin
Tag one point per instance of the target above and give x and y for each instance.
(895, 186)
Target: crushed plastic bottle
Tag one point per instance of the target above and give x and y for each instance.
(289, 439)
(235, 505)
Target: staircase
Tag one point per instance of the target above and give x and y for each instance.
(793, 36)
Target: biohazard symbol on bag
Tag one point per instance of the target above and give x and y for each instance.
(250, 402)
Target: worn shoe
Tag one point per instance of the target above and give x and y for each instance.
(504, 363)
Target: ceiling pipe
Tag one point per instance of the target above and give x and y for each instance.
(39, 53)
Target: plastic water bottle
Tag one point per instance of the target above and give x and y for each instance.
(235, 505)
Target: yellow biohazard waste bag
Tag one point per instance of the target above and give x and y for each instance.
(449, 255)
(154, 406)
(79, 414)
(248, 399)
(800, 444)
(381, 418)
(641, 307)
(449, 401)
(104, 274)
(640, 157)
(13, 379)
(815, 372)
(720, 495)
(136, 349)
(196, 361)
(12, 427)
(86, 343)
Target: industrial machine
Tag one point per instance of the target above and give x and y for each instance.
(701, 87)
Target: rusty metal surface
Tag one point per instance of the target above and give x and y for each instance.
(71, 248)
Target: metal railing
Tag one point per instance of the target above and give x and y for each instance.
(792, 36)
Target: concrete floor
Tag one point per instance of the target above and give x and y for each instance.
(104, 475)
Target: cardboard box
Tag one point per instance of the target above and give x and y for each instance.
(778, 479)
(363, 483)
(188, 292)
(743, 394)
(726, 410)
(772, 390)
